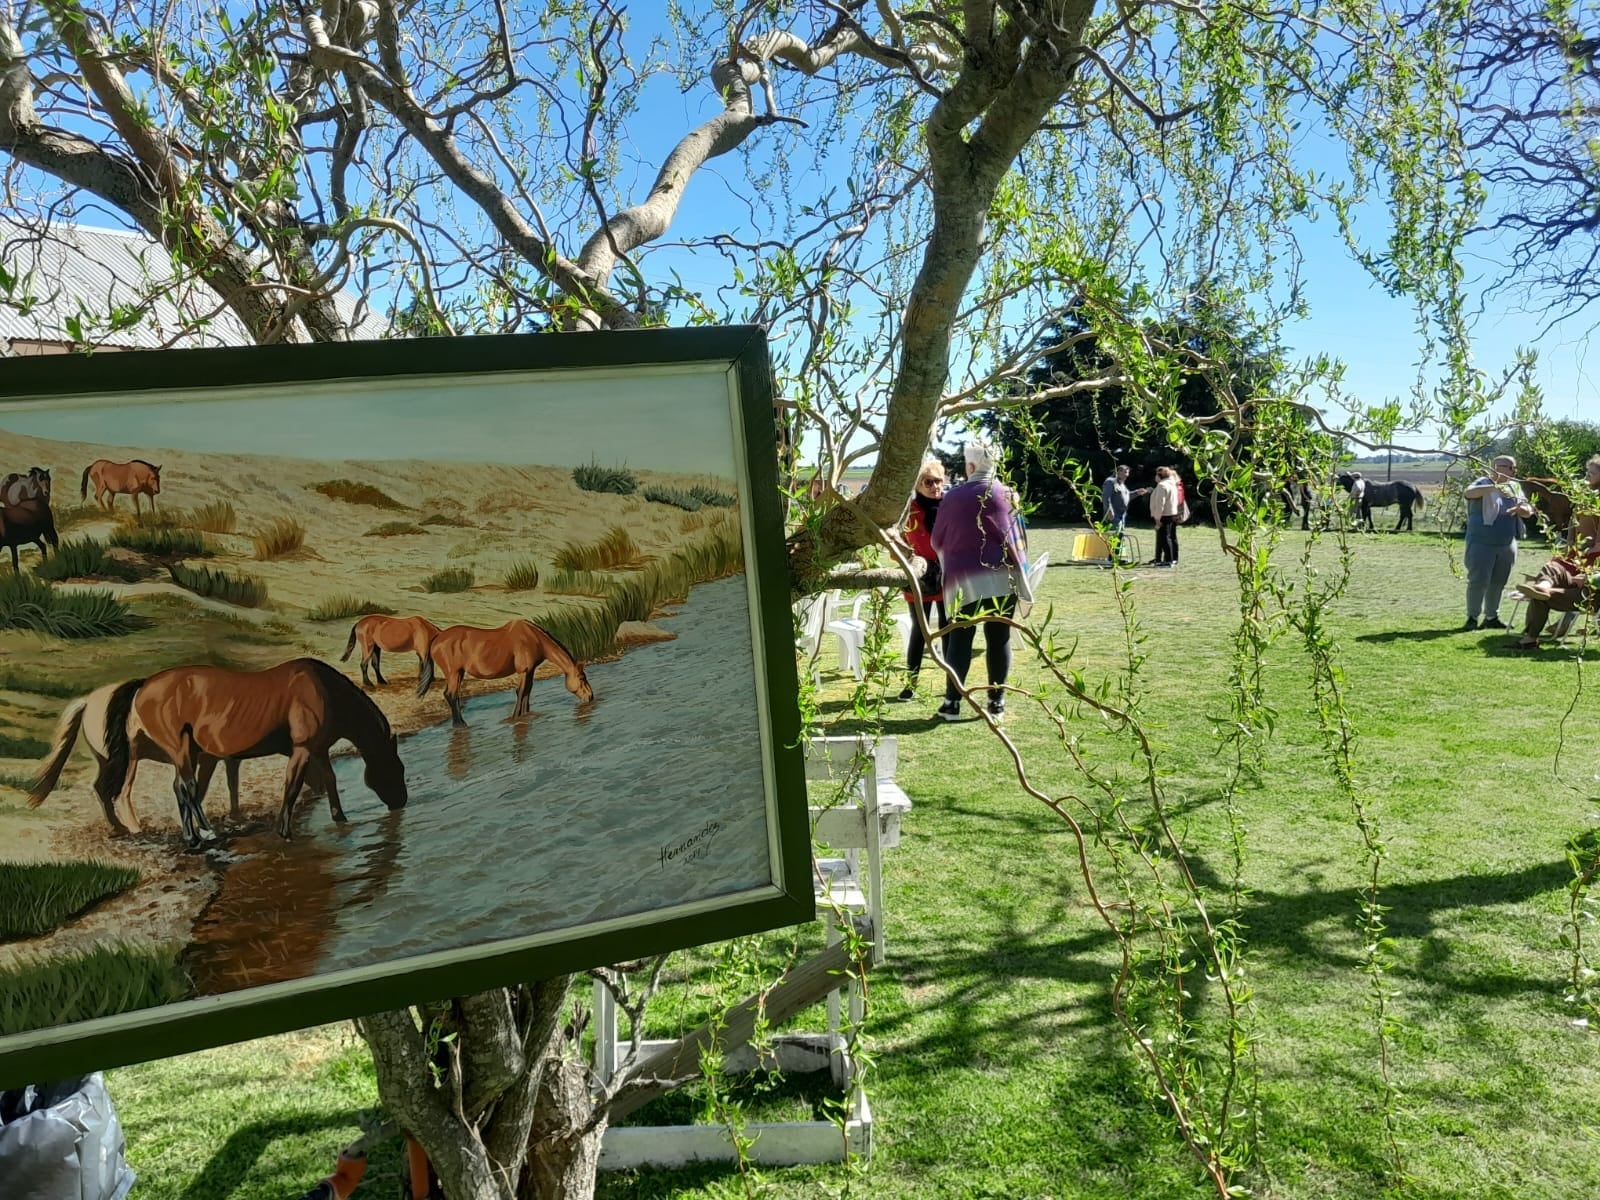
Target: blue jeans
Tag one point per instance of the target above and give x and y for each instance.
(1488, 569)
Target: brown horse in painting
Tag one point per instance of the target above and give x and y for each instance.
(94, 716)
(298, 709)
(375, 634)
(515, 648)
(112, 479)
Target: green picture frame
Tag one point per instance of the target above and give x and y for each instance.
(772, 887)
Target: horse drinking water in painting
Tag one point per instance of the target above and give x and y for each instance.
(375, 634)
(1369, 495)
(515, 648)
(93, 717)
(112, 479)
(298, 709)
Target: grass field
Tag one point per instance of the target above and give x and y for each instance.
(998, 1071)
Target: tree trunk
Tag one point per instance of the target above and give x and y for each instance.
(563, 1151)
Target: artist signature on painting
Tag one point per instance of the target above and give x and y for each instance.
(696, 845)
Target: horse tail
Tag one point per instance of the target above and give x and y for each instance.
(83, 486)
(350, 646)
(1418, 498)
(425, 677)
(66, 734)
(118, 709)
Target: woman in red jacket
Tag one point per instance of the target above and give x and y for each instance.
(918, 530)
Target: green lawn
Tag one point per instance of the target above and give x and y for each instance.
(998, 1069)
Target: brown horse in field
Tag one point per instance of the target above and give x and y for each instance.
(112, 479)
(375, 634)
(298, 709)
(1550, 498)
(94, 716)
(515, 648)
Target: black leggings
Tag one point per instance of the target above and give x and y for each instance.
(1167, 540)
(996, 645)
(918, 645)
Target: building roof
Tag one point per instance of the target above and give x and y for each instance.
(75, 272)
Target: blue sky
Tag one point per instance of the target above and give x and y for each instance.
(1352, 318)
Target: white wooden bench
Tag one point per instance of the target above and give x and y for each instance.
(857, 818)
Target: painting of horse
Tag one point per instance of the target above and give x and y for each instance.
(1370, 495)
(30, 522)
(515, 648)
(112, 479)
(297, 709)
(93, 716)
(377, 633)
(17, 488)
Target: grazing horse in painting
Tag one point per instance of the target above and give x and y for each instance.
(112, 479)
(297, 709)
(375, 634)
(515, 648)
(1370, 495)
(25, 515)
(95, 716)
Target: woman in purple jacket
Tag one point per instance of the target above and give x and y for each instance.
(985, 563)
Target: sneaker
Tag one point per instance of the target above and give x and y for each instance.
(950, 710)
(1472, 623)
(909, 693)
(1494, 623)
(997, 710)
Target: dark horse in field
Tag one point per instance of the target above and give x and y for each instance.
(298, 709)
(1383, 495)
(1550, 498)
(25, 515)
(1297, 496)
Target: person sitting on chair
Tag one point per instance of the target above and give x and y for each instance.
(1568, 582)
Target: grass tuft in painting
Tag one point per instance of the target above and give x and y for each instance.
(341, 608)
(278, 538)
(38, 897)
(86, 558)
(110, 979)
(32, 604)
(244, 590)
(451, 579)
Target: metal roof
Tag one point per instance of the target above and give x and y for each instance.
(75, 271)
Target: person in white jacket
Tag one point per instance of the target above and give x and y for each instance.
(1165, 504)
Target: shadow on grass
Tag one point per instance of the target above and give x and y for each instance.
(236, 1158)
(966, 977)
(1414, 635)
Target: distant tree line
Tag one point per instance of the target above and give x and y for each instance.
(1102, 428)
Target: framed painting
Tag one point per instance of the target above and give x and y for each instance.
(336, 678)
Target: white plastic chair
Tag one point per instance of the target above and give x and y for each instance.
(852, 634)
(814, 612)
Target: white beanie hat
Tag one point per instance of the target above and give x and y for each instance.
(980, 455)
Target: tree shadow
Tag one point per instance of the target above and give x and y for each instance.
(968, 978)
(236, 1158)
